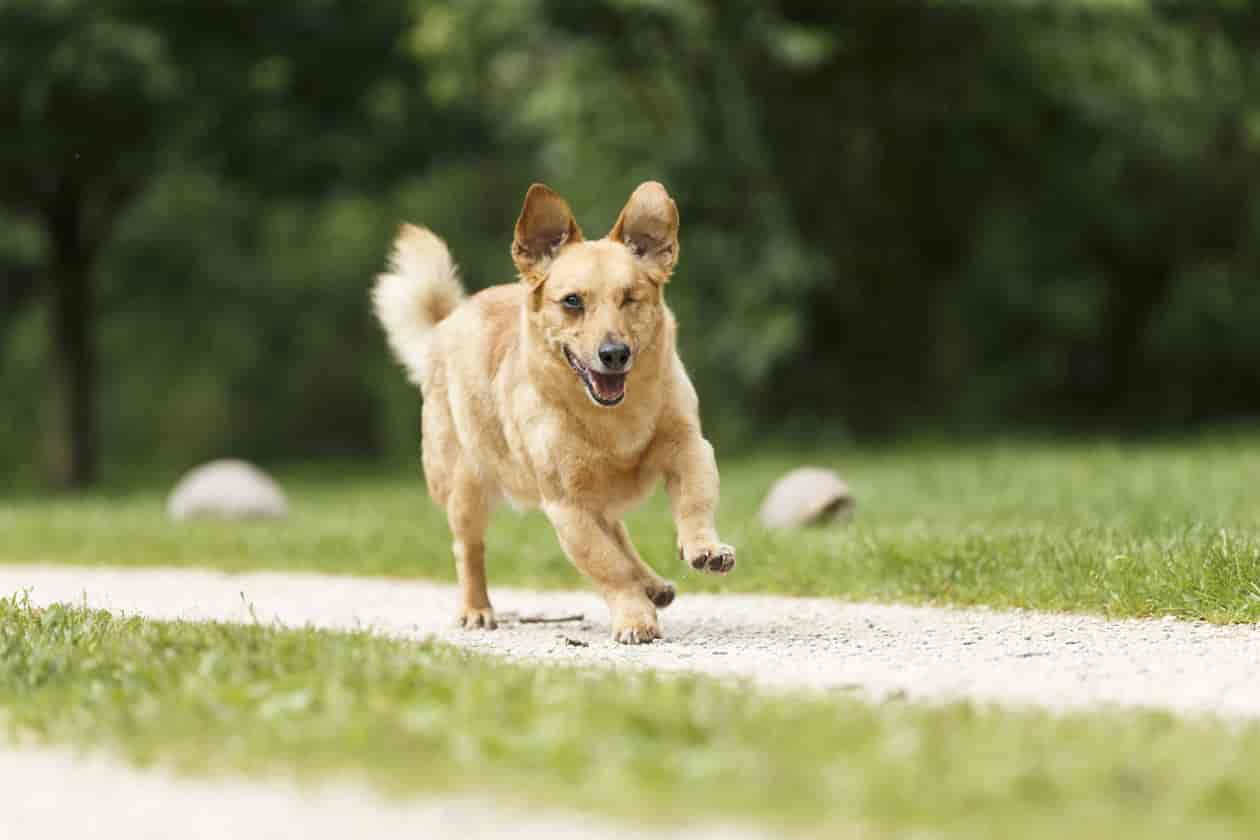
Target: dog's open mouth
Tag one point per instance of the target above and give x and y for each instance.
(607, 389)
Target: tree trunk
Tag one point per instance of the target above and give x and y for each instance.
(73, 337)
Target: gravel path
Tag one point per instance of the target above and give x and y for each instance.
(55, 795)
(1013, 657)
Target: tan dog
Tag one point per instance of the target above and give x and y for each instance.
(563, 392)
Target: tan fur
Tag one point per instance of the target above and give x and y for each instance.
(506, 415)
(421, 288)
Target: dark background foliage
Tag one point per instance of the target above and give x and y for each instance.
(898, 217)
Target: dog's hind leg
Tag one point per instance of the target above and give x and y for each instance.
(468, 512)
(593, 545)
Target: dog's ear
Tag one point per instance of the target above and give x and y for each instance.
(648, 226)
(545, 226)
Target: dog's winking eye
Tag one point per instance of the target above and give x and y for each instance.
(572, 302)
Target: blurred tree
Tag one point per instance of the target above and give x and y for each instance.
(99, 97)
(1004, 195)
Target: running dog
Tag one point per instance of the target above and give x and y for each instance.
(562, 391)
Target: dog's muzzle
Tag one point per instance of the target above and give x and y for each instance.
(605, 388)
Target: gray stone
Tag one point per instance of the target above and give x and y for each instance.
(227, 489)
(805, 496)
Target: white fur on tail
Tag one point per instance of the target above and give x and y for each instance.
(421, 288)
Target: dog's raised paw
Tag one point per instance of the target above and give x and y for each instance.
(716, 559)
(474, 618)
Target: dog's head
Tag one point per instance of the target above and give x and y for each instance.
(597, 304)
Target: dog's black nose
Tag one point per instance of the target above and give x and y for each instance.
(614, 355)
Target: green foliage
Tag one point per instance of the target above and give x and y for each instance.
(895, 215)
(1123, 531)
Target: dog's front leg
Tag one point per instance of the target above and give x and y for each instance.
(691, 479)
(591, 544)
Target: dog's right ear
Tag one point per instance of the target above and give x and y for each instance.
(546, 225)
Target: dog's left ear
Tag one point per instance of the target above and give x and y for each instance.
(648, 226)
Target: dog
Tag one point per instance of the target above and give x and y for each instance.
(563, 392)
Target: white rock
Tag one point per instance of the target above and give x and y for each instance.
(227, 489)
(805, 496)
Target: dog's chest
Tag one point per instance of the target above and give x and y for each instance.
(607, 481)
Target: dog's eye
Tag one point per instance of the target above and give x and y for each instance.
(629, 301)
(573, 302)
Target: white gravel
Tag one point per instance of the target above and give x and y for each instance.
(1060, 662)
(54, 795)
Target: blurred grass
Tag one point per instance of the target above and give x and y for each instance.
(1124, 530)
(424, 718)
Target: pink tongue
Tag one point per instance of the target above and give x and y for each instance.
(608, 386)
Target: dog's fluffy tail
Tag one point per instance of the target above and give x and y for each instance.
(420, 288)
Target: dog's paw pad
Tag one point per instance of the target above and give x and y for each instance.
(476, 618)
(662, 595)
(716, 559)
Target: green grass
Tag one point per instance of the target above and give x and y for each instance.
(417, 718)
(1122, 530)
